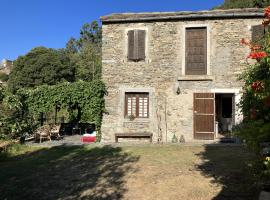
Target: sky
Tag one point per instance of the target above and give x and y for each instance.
(26, 24)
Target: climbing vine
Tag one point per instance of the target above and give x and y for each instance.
(87, 96)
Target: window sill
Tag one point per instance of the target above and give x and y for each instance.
(196, 78)
(140, 61)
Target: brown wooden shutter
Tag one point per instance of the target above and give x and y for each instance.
(131, 45)
(136, 45)
(257, 33)
(204, 116)
(141, 44)
(143, 105)
(196, 51)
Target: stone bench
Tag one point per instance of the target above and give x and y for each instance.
(134, 135)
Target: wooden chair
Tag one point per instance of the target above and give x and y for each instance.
(55, 131)
(43, 132)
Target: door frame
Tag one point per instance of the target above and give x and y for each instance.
(238, 116)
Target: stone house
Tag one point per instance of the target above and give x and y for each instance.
(175, 73)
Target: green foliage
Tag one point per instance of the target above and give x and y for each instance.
(3, 77)
(261, 3)
(87, 97)
(85, 52)
(90, 33)
(2, 93)
(255, 102)
(13, 117)
(253, 132)
(45, 78)
(89, 63)
(40, 66)
(230, 4)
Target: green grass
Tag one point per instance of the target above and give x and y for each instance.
(128, 172)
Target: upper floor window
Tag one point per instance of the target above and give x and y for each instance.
(258, 31)
(137, 105)
(196, 51)
(136, 45)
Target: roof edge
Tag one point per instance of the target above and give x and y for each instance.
(184, 15)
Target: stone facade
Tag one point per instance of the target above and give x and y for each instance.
(163, 71)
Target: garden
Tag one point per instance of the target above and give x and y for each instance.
(48, 87)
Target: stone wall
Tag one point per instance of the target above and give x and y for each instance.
(161, 73)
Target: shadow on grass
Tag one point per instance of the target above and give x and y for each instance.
(233, 168)
(64, 172)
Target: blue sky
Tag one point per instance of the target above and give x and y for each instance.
(29, 23)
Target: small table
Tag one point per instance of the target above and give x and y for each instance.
(76, 131)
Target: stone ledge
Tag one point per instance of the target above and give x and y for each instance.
(196, 78)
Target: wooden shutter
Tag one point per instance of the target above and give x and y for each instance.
(204, 116)
(131, 105)
(257, 32)
(131, 45)
(196, 51)
(143, 108)
(136, 45)
(141, 44)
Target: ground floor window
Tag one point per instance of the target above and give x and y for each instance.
(137, 105)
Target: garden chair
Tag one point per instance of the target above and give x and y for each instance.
(55, 131)
(43, 132)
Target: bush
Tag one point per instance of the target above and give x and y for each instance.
(255, 102)
(253, 133)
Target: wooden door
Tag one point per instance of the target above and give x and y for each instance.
(204, 116)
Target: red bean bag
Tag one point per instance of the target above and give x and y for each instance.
(88, 139)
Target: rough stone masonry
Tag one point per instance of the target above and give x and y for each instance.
(162, 73)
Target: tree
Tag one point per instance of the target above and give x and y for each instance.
(90, 33)
(89, 63)
(230, 4)
(71, 46)
(41, 66)
(85, 52)
(261, 3)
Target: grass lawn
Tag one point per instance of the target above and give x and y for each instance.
(128, 172)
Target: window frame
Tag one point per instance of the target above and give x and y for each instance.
(208, 43)
(137, 95)
(146, 44)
